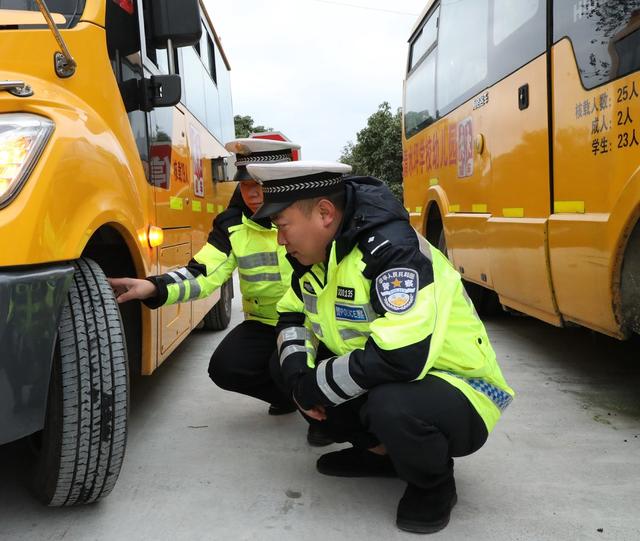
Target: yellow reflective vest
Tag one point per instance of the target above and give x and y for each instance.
(235, 241)
(389, 307)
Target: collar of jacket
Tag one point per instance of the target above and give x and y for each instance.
(369, 204)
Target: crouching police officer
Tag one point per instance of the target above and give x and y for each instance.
(241, 363)
(377, 337)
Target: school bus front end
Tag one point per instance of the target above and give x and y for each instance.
(67, 167)
(77, 205)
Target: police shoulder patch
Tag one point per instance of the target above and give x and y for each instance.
(397, 289)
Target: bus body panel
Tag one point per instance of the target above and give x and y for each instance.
(90, 173)
(554, 245)
(596, 144)
(89, 122)
(510, 175)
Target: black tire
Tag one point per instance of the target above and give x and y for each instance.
(485, 301)
(85, 433)
(629, 283)
(218, 318)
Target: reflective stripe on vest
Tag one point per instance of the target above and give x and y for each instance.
(262, 259)
(310, 303)
(261, 277)
(348, 334)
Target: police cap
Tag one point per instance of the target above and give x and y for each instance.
(254, 150)
(285, 183)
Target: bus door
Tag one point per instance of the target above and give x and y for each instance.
(208, 189)
(183, 156)
(596, 147)
(452, 156)
(518, 142)
(169, 171)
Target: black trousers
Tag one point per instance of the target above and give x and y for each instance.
(422, 424)
(243, 363)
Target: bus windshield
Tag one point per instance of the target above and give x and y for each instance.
(70, 9)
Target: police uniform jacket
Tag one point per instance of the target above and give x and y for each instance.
(390, 307)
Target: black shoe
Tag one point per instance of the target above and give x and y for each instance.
(426, 510)
(317, 436)
(281, 409)
(355, 462)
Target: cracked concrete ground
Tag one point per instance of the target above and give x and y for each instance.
(563, 463)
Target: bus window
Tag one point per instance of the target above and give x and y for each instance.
(424, 40)
(162, 60)
(604, 35)
(420, 103)
(194, 92)
(123, 45)
(70, 9)
(518, 35)
(212, 58)
(462, 69)
(510, 16)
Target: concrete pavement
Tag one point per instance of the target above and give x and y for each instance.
(563, 463)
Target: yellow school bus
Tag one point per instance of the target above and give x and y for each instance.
(112, 119)
(521, 153)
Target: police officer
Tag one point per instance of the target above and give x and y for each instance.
(377, 338)
(241, 363)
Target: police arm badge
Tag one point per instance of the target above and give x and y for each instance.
(397, 289)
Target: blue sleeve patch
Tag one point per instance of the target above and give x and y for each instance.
(397, 289)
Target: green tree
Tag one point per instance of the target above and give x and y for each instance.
(378, 150)
(244, 126)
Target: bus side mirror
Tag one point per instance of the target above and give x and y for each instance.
(162, 91)
(145, 94)
(177, 21)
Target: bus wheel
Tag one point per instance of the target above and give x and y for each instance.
(485, 301)
(85, 431)
(218, 318)
(629, 284)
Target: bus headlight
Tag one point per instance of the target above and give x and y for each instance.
(22, 139)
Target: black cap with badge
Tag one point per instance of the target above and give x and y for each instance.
(285, 183)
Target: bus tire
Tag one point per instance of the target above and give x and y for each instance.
(629, 284)
(85, 433)
(218, 318)
(486, 301)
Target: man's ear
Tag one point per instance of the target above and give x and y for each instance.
(327, 211)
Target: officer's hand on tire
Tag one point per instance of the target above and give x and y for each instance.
(127, 289)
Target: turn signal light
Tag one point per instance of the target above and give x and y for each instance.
(156, 236)
(153, 236)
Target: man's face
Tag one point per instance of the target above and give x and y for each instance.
(251, 194)
(305, 236)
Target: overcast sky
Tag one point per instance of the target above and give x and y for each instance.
(315, 69)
